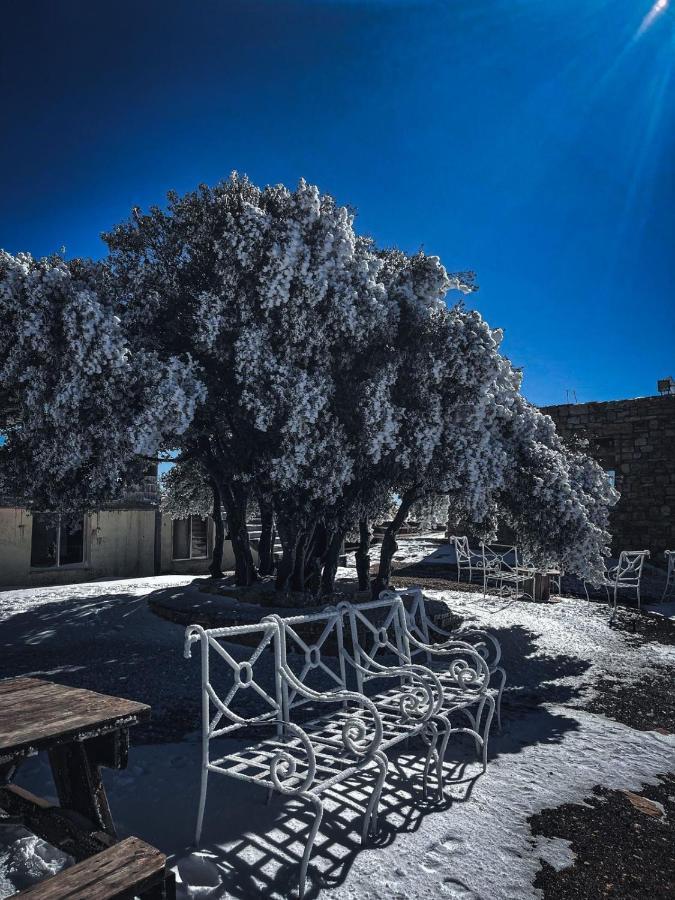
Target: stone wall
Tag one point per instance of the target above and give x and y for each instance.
(635, 439)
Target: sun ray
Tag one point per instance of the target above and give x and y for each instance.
(659, 7)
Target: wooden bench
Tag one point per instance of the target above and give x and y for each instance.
(126, 870)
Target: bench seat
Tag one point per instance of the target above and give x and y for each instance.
(333, 762)
(332, 707)
(126, 870)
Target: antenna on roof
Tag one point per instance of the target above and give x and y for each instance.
(571, 395)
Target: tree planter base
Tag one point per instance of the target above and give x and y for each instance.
(218, 605)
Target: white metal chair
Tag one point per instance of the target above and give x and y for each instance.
(463, 555)
(626, 575)
(669, 589)
(467, 559)
(501, 567)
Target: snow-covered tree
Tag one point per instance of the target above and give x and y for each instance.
(297, 367)
(82, 412)
(185, 491)
(557, 499)
(275, 297)
(470, 435)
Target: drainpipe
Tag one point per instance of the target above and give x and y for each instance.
(158, 542)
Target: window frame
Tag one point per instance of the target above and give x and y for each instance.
(58, 564)
(189, 518)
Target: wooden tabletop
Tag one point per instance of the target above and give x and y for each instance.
(37, 714)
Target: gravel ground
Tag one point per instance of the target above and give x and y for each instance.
(623, 843)
(646, 707)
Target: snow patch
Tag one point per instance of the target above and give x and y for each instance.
(25, 859)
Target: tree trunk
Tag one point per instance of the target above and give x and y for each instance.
(216, 567)
(233, 497)
(288, 535)
(389, 546)
(331, 562)
(234, 500)
(363, 554)
(314, 559)
(266, 544)
(303, 555)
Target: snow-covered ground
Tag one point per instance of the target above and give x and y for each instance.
(476, 845)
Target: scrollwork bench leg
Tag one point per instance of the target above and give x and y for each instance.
(502, 684)
(371, 813)
(430, 736)
(318, 809)
(486, 732)
(202, 806)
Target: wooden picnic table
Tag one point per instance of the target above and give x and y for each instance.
(81, 731)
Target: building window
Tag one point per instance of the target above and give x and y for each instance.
(611, 476)
(190, 538)
(56, 541)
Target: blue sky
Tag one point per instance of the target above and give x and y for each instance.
(530, 140)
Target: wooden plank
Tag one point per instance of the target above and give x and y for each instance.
(122, 871)
(35, 714)
(56, 826)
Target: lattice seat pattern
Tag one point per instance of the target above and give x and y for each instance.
(459, 675)
(321, 730)
(424, 630)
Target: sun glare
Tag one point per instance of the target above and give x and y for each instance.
(656, 10)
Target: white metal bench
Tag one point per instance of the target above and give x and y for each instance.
(461, 674)
(321, 732)
(422, 626)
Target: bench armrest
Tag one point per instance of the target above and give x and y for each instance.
(354, 729)
(465, 675)
(487, 644)
(284, 766)
(411, 701)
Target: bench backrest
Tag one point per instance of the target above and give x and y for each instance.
(229, 685)
(312, 648)
(377, 635)
(417, 621)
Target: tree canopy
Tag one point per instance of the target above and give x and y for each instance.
(294, 365)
